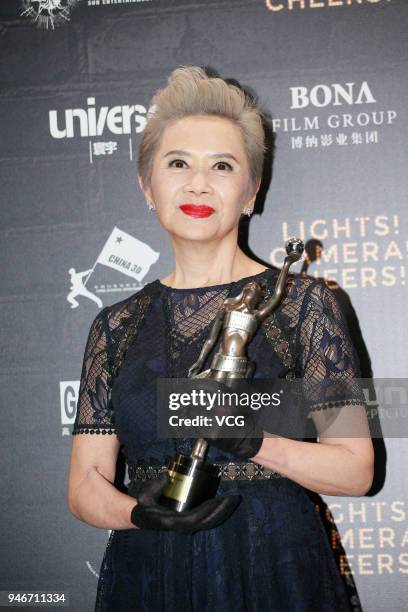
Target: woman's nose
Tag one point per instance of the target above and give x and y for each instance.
(199, 182)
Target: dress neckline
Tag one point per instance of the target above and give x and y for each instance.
(209, 287)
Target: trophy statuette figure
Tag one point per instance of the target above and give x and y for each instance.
(192, 479)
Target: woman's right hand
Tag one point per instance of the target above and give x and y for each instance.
(149, 514)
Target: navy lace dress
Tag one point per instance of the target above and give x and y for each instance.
(272, 554)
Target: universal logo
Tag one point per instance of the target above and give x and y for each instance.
(104, 126)
(94, 120)
(47, 14)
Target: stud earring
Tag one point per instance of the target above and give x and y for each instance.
(247, 211)
(150, 206)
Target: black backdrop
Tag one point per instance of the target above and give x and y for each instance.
(75, 88)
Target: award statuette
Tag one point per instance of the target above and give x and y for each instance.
(192, 479)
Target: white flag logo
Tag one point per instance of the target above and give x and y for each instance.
(127, 254)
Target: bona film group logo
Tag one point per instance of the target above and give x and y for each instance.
(339, 114)
(48, 13)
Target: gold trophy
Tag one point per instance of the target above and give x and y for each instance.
(192, 479)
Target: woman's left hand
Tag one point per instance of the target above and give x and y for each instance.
(244, 439)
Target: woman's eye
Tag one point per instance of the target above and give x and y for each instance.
(179, 163)
(225, 165)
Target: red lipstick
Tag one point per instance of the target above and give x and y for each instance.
(197, 210)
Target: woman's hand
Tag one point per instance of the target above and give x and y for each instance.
(149, 514)
(246, 443)
(244, 440)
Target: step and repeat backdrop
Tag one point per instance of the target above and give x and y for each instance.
(76, 80)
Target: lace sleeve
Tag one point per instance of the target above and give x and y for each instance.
(328, 361)
(94, 412)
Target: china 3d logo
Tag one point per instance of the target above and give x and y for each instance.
(48, 13)
(121, 252)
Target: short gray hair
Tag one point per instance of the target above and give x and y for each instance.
(190, 91)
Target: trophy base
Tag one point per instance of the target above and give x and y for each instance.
(193, 481)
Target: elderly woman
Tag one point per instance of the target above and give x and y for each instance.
(259, 545)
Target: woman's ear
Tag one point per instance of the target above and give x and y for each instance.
(257, 189)
(139, 178)
(253, 194)
(146, 190)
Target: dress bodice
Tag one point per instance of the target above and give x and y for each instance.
(159, 332)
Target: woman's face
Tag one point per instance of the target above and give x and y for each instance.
(201, 160)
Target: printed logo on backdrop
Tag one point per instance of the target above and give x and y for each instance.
(374, 534)
(114, 2)
(104, 127)
(122, 253)
(355, 252)
(48, 14)
(277, 6)
(69, 390)
(333, 115)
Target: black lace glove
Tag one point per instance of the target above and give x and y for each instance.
(243, 447)
(247, 438)
(149, 514)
